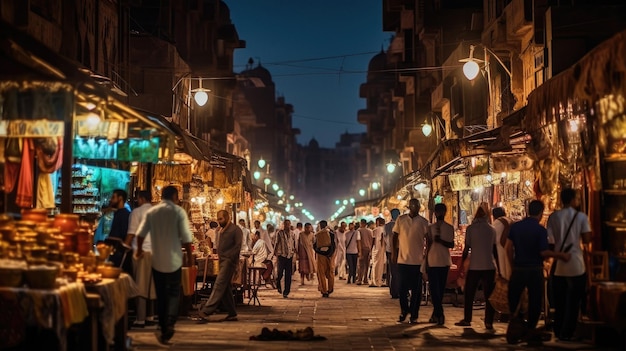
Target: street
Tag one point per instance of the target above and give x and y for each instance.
(353, 318)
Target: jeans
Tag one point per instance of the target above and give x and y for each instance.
(410, 281)
(531, 278)
(392, 277)
(352, 260)
(487, 277)
(167, 286)
(568, 293)
(437, 279)
(285, 267)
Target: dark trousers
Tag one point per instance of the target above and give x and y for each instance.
(222, 293)
(437, 279)
(487, 277)
(285, 268)
(167, 286)
(410, 281)
(364, 266)
(392, 277)
(531, 278)
(352, 259)
(568, 294)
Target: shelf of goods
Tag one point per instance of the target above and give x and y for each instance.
(614, 204)
(85, 196)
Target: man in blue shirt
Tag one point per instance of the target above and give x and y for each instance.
(527, 248)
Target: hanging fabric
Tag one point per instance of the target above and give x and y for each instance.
(25, 184)
(45, 191)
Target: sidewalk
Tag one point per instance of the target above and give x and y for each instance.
(353, 318)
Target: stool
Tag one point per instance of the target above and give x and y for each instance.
(254, 281)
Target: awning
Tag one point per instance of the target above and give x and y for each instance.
(448, 166)
(599, 73)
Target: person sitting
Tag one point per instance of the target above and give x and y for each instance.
(259, 250)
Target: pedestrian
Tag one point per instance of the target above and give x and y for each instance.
(259, 250)
(230, 239)
(169, 229)
(324, 245)
(305, 254)
(265, 237)
(378, 253)
(367, 242)
(567, 229)
(119, 230)
(527, 248)
(502, 224)
(142, 268)
(439, 241)
(340, 253)
(285, 249)
(480, 238)
(246, 244)
(392, 268)
(353, 251)
(211, 235)
(409, 233)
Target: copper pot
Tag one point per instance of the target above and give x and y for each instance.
(5, 219)
(8, 232)
(67, 223)
(69, 242)
(83, 247)
(37, 215)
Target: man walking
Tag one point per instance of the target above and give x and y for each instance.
(527, 248)
(367, 241)
(169, 229)
(324, 246)
(353, 251)
(378, 253)
(409, 234)
(567, 228)
(502, 224)
(285, 249)
(392, 268)
(230, 238)
(340, 256)
(142, 267)
(119, 229)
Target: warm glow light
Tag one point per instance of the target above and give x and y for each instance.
(362, 192)
(267, 181)
(261, 162)
(471, 69)
(391, 167)
(257, 175)
(573, 125)
(427, 129)
(219, 201)
(92, 121)
(201, 97)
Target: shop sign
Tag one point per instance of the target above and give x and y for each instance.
(31, 128)
(511, 163)
(458, 182)
(138, 150)
(94, 149)
(112, 130)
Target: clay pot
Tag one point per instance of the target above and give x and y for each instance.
(69, 242)
(83, 247)
(37, 215)
(8, 232)
(5, 219)
(67, 223)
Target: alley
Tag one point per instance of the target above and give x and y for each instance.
(353, 318)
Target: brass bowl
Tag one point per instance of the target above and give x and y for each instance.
(109, 272)
(11, 277)
(41, 276)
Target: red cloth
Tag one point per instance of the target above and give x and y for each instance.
(25, 184)
(11, 174)
(49, 163)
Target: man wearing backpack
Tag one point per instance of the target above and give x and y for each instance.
(324, 246)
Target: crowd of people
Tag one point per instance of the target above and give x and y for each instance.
(398, 255)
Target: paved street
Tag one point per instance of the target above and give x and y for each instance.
(353, 318)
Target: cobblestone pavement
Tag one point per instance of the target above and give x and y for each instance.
(353, 318)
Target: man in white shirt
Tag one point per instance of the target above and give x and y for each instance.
(353, 251)
(340, 255)
(440, 239)
(265, 237)
(259, 250)
(568, 283)
(246, 243)
(392, 268)
(169, 229)
(409, 235)
(378, 253)
(142, 268)
(211, 234)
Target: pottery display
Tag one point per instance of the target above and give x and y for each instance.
(67, 223)
(37, 215)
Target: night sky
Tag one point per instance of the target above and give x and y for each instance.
(317, 52)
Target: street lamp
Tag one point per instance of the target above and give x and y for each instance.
(427, 129)
(391, 167)
(275, 187)
(362, 192)
(257, 175)
(280, 193)
(267, 182)
(200, 95)
(375, 185)
(471, 67)
(261, 162)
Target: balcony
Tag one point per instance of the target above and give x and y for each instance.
(365, 116)
(519, 18)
